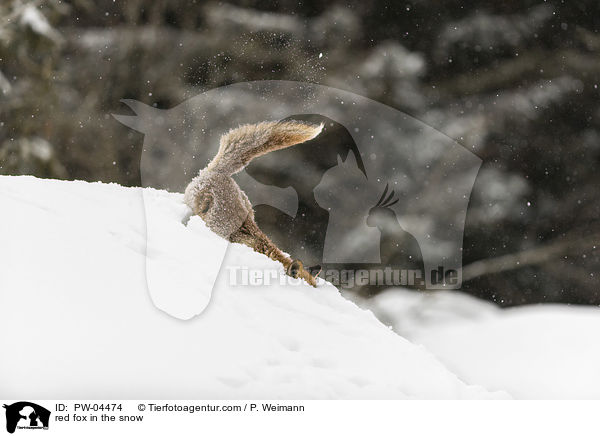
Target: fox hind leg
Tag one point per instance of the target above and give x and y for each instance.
(249, 234)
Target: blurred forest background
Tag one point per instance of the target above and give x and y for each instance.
(517, 82)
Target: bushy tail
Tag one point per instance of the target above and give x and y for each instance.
(242, 144)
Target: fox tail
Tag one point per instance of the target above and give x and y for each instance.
(242, 144)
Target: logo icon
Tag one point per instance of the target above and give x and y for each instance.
(26, 415)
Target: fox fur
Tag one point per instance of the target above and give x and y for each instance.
(219, 201)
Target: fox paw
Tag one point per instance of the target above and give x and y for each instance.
(294, 269)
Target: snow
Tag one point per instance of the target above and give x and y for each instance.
(79, 322)
(547, 351)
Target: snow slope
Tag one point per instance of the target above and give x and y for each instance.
(532, 352)
(77, 320)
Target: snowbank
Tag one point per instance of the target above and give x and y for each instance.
(77, 320)
(534, 352)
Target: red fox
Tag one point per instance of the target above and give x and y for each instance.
(218, 200)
